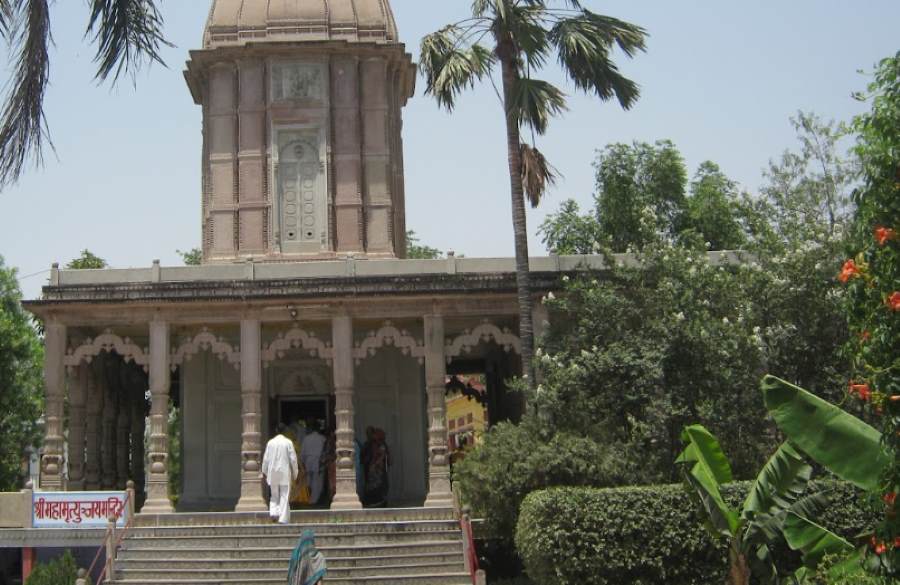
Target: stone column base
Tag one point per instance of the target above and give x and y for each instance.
(345, 497)
(440, 492)
(158, 501)
(251, 497)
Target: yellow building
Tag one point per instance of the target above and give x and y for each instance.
(467, 416)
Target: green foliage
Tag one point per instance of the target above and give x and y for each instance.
(645, 535)
(192, 257)
(61, 571)
(873, 305)
(835, 439)
(711, 217)
(640, 193)
(417, 251)
(514, 460)
(87, 261)
(21, 396)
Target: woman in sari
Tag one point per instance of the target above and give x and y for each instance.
(377, 462)
(307, 564)
(300, 487)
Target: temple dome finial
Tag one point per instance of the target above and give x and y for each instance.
(239, 22)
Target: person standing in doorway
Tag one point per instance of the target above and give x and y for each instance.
(280, 469)
(311, 456)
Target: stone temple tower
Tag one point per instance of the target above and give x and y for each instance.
(302, 148)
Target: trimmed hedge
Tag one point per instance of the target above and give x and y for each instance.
(644, 535)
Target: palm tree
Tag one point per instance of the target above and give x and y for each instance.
(521, 35)
(127, 33)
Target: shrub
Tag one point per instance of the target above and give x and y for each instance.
(515, 460)
(61, 571)
(642, 535)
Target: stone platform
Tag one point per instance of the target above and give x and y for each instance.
(397, 546)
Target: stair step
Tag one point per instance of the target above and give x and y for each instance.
(238, 541)
(356, 551)
(460, 578)
(281, 562)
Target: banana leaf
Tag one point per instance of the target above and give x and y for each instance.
(845, 445)
(779, 484)
(706, 468)
(812, 540)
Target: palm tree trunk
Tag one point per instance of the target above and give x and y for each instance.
(523, 275)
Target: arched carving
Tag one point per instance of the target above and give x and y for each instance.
(485, 332)
(389, 335)
(306, 382)
(106, 342)
(296, 338)
(205, 341)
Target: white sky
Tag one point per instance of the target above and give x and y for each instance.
(720, 79)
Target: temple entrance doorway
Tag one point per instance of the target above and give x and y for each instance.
(296, 410)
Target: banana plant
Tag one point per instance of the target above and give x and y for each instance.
(840, 442)
(776, 495)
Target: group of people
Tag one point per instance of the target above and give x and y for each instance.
(299, 461)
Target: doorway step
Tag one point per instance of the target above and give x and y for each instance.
(404, 546)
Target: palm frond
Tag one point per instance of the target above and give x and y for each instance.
(23, 127)
(448, 69)
(7, 13)
(537, 174)
(128, 34)
(525, 25)
(534, 102)
(584, 45)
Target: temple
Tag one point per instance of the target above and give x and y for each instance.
(304, 305)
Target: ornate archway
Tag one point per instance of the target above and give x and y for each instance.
(485, 332)
(390, 336)
(297, 338)
(106, 342)
(205, 341)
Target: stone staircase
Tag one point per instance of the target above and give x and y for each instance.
(409, 546)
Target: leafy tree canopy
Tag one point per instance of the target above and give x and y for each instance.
(417, 251)
(87, 261)
(21, 357)
(192, 257)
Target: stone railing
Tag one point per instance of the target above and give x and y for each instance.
(349, 267)
(15, 509)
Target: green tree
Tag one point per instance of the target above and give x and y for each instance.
(417, 251)
(21, 357)
(520, 36)
(87, 261)
(711, 212)
(193, 257)
(127, 34)
(640, 194)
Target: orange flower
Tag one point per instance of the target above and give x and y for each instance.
(883, 234)
(861, 390)
(865, 336)
(849, 270)
(889, 498)
(894, 301)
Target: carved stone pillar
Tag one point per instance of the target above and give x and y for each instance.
(123, 436)
(54, 396)
(439, 490)
(345, 497)
(78, 389)
(93, 428)
(158, 465)
(251, 415)
(110, 415)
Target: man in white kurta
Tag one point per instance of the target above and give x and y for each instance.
(280, 469)
(311, 456)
